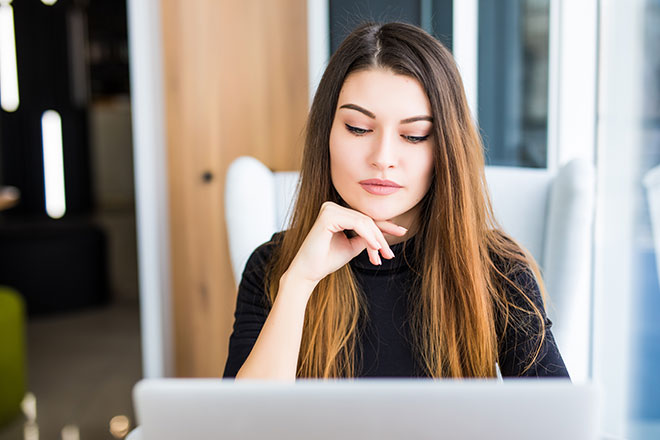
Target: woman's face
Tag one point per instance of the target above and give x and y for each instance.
(382, 131)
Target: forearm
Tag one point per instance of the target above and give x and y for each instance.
(275, 353)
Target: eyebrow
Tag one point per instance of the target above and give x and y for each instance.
(372, 116)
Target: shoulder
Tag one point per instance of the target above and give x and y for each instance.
(253, 288)
(257, 265)
(263, 254)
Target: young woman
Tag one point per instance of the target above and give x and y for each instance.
(393, 264)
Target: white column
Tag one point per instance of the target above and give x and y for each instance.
(150, 158)
(572, 88)
(619, 112)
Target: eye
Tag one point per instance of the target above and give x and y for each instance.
(356, 130)
(415, 139)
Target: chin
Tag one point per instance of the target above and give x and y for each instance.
(382, 210)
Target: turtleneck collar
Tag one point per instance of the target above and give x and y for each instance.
(404, 248)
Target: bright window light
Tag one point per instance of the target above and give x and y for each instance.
(51, 134)
(49, 2)
(8, 72)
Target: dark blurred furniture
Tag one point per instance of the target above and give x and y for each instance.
(56, 265)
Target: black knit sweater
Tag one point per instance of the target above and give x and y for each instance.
(386, 350)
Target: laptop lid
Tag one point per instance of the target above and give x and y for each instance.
(201, 409)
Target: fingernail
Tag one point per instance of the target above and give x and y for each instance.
(389, 253)
(379, 260)
(403, 229)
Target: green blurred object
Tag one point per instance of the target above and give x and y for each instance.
(12, 354)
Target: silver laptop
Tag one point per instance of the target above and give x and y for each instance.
(205, 409)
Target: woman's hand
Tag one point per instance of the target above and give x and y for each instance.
(326, 248)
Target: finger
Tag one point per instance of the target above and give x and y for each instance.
(374, 257)
(386, 252)
(359, 244)
(391, 228)
(384, 249)
(363, 226)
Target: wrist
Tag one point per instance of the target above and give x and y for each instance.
(291, 283)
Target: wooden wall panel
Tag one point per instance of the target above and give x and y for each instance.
(236, 84)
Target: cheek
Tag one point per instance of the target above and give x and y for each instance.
(337, 160)
(342, 159)
(424, 164)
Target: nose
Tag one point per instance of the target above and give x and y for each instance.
(383, 152)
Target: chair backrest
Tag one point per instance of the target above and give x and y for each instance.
(550, 214)
(257, 204)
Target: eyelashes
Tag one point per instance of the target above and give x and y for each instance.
(356, 130)
(415, 139)
(362, 131)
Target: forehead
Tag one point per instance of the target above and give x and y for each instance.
(385, 94)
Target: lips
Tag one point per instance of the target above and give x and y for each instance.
(380, 187)
(380, 182)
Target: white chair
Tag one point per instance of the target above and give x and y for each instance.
(135, 434)
(257, 204)
(551, 214)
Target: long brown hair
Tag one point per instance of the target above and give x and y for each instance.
(458, 301)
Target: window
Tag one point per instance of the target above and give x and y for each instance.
(513, 81)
